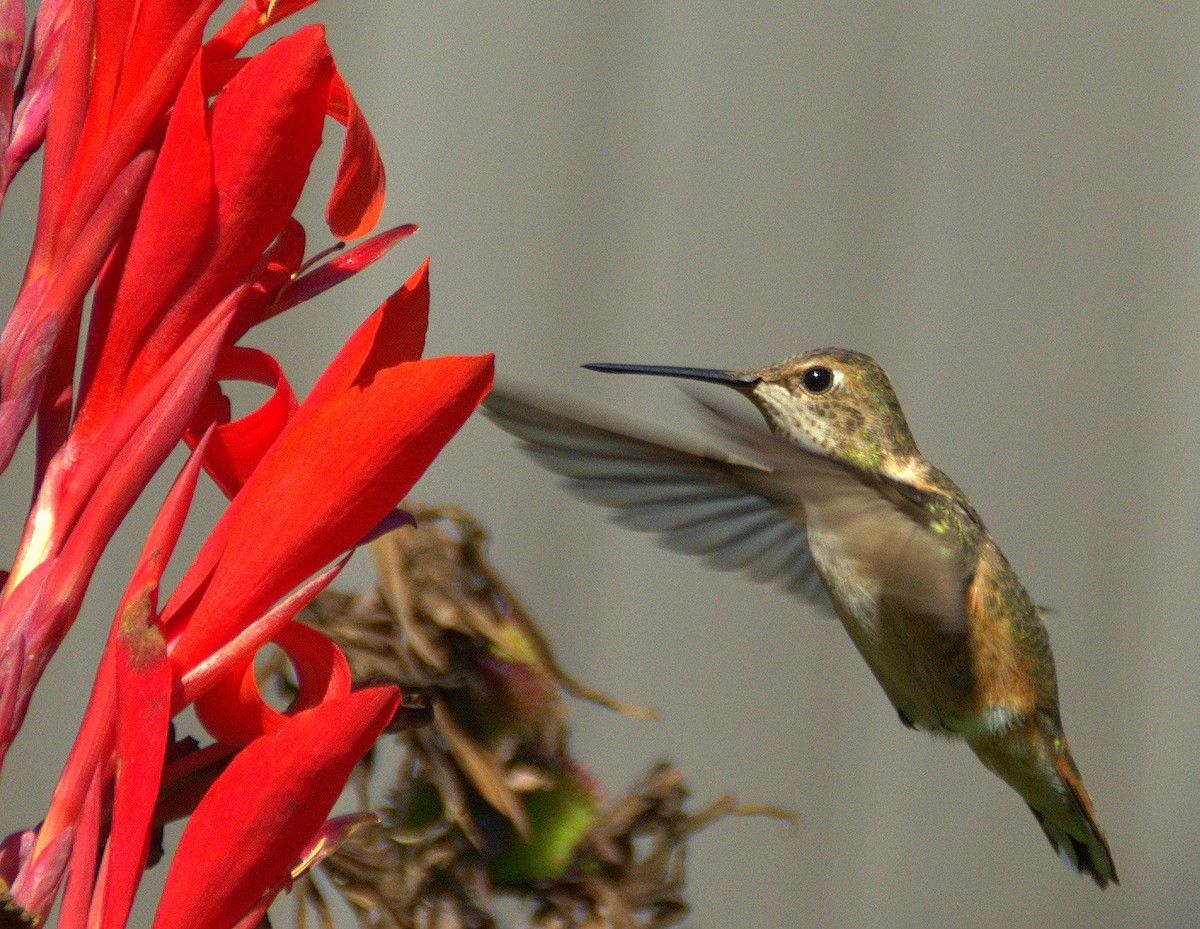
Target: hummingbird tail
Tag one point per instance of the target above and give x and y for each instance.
(1053, 788)
(1079, 840)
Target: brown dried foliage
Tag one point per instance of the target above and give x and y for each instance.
(446, 627)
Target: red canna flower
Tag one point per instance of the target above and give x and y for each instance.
(171, 172)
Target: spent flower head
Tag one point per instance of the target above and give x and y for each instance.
(488, 802)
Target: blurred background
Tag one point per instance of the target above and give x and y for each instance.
(1001, 203)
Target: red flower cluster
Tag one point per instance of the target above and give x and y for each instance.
(172, 169)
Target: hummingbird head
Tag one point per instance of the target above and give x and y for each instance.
(837, 403)
(831, 402)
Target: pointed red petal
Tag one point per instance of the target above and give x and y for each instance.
(81, 870)
(170, 240)
(266, 808)
(366, 432)
(263, 130)
(143, 713)
(342, 266)
(143, 685)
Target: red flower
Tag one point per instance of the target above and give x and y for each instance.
(171, 173)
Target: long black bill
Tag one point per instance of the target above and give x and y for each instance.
(711, 375)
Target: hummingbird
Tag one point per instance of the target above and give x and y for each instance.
(834, 501)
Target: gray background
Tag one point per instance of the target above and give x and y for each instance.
(999, 202)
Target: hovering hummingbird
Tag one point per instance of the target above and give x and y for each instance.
(836, 502)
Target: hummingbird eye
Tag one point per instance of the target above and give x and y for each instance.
(817, 379)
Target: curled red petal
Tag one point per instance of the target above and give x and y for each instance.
(266, 808)
(234, 710)
(358, 193)
(247, 21)
(205, 674)
(238, 445)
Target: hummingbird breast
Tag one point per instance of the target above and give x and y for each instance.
(902, 602)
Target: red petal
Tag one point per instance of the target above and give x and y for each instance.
(369, 428)
(247, 21)
(109, 140)
(266, 128)
(170, 240)
(155, 27)
(65, 121)
(393, 334)
(104, 484)
(12, 42)
(266, 808)
(143, 685)
(238, 446)
(263, 131)
(133, 689)
(280, 264)
(342, 266)
(202, 676)
(234, 710)
(27, 358)
(143, 713)
(81, 870)
(357, 198)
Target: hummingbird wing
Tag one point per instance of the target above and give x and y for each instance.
(729, 510)
(878, 532)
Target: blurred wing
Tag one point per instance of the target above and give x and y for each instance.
(880, 528)
(733, 512)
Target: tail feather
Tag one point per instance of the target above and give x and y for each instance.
(1039, 767)
(1092, 857)
(1083, 847)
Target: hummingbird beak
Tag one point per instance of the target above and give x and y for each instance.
(709, 375)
